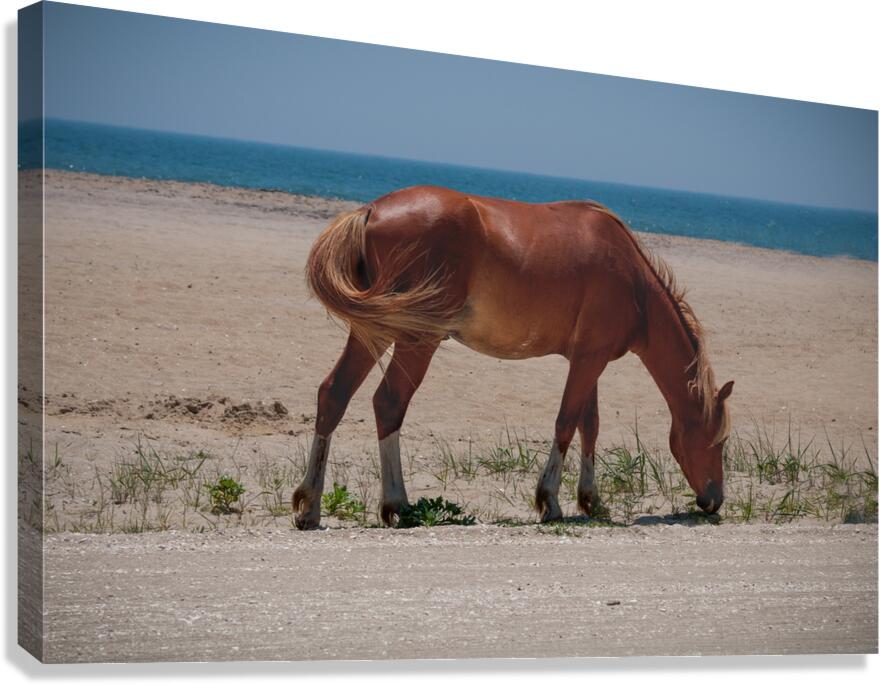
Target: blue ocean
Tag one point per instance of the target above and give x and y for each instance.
(156, 155)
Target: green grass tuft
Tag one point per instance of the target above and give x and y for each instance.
(339, 502)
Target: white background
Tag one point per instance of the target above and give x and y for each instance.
(819, 51)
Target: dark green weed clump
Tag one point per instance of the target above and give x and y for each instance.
(433, 512)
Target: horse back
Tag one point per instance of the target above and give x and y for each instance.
(531, 279)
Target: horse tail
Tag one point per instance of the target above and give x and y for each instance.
(390, 307)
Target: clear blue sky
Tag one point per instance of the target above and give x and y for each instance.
(150, 72)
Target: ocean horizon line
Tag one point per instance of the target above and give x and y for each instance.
(145, 153)
(456, 165)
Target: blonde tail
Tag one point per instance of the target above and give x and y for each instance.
(386, 310)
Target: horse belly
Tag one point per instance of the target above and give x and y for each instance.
(511, 329)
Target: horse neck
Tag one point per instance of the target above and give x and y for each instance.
(668, 354)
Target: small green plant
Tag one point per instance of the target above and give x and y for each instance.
(340, 503)
(224, 493)
(433, 512)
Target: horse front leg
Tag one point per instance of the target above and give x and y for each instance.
(588, 492)
(583, 372)
(405, 373)
(334, 395)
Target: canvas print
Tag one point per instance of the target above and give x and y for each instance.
(332, 350)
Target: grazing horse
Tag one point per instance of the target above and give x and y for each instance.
(511, 280)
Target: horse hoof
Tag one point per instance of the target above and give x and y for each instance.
(307, 516)
(390, 512)
(306, 522)
(547, 505)
(588, 502)
(585, 503)
(551, 515)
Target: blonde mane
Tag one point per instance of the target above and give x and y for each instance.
(703, 381)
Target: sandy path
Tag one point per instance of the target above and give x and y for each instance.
(462, 592)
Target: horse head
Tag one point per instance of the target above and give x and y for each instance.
(698, 446)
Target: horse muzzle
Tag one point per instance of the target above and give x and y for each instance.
(711, 499)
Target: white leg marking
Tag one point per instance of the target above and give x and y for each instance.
(587, 490)
(547, 494)
(393, 489)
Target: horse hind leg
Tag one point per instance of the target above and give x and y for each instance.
(307, 497)
(405, 373)
(588, 492)
(583, 373)
(547, 491)
(334, 395)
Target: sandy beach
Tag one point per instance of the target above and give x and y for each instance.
(177, 315)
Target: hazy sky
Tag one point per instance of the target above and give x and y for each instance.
(157, 73)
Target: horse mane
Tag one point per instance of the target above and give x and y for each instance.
(703, 381)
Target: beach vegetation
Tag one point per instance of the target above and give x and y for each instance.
(435, 511)
(772, 477)
(339, 502)
(224, 494)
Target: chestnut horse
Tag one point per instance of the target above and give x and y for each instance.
(511, 280)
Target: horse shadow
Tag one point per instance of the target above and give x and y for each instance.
(688, 519)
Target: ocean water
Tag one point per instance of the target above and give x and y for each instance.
(149, 154)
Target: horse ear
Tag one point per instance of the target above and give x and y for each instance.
(724, 393)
